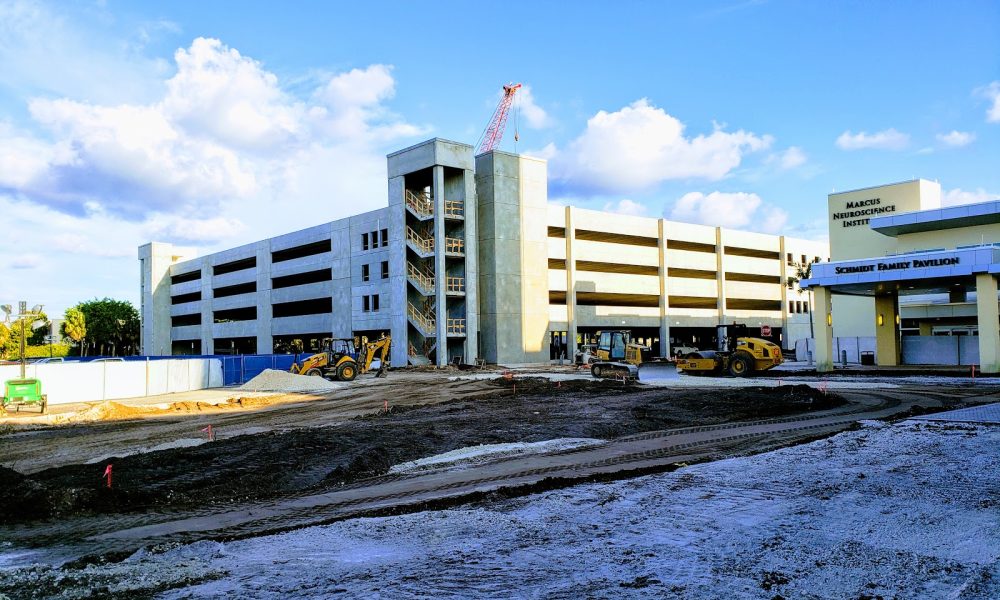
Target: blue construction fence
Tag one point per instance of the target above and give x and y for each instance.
(236, 370)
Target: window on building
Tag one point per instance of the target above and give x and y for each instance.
(815, 259)
(385, 269)
(374, 239)
(798, 306)
(364, 241)
(789, 259)
(385, 238)
(805, 307)
(804, 261)
(375, 303)
(364, 273)
(791, 306)
(366, 304)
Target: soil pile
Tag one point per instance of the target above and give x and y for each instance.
(110, 411)
(271, 380)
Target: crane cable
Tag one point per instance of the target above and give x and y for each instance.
(517, 120)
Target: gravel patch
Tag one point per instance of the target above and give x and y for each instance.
(282, 381)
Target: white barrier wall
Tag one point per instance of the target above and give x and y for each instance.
(940, 350)
(852, 345)
(87, 382)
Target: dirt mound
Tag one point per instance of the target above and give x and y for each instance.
(116, 411)
(272, 380)
(110, 411)
(23, 498)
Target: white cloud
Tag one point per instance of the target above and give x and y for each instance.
(534, 116)
(224, 130)
(888, 139)
(626, 207)
(26, 261)
(992, 93)
(789, 159)
(641, 146)
(221, 95)
(224, 152)
(960, 196)
(735, 210)
(956, 139)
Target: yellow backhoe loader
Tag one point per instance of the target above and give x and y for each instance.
(737, 355)
(341, 360)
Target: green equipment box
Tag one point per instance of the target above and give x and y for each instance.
(22, 392)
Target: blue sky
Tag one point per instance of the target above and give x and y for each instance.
(213, 124)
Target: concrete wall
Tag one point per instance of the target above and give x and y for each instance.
(155, 261)
(345, 290)
(64, 383)
(513, 266)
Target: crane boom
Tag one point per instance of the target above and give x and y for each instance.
(494, 131)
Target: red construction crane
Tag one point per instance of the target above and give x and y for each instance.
(494, 131)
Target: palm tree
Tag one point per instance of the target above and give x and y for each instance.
(804, 271)
(75, 327)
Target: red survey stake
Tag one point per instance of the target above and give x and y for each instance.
(107, 474)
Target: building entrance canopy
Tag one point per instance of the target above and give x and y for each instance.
(913, 273)
(888, 277)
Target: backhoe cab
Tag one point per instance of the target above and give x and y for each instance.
(617, 356)
(341, 360)
(737, 355)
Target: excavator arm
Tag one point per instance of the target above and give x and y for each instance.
(380, 347)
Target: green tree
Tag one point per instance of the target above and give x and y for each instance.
(803, 271)
(112, 326)
(74, 327)
(29, 327)
(38, 336)
(6, 342)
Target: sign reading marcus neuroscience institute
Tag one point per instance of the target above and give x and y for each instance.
(862, 208)
(898, 265)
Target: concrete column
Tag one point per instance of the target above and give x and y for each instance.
(471, 267)
(265, 340)
(887, 330)
(989, 323)
(397, 272)
(207, 336)
(786, 341)
(440, 270)
(823, 329)
(720, 265)
(155, 260)
(570, 286)
(664, 317)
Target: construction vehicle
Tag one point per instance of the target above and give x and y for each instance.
(617, 356)
(737, 355)
(343, 360)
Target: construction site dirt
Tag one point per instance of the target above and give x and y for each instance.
(55, 492)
